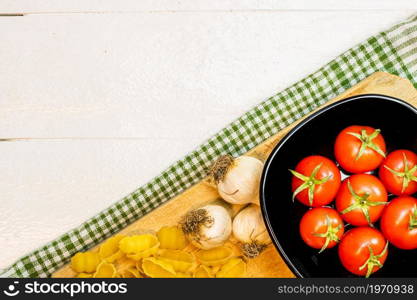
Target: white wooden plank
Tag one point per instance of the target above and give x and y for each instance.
(170, 75)
(51, 6)
(49, 187)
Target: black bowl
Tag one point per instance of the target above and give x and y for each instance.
(316, 135)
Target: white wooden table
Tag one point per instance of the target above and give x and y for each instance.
(98, 97)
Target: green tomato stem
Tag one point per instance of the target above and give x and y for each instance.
(373, 260)
(413, 219)
(309, 182)
(367, 142)
(407, 175)
(361, 202)
(330, 234)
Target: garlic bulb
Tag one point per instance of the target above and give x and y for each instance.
(238, 179)
(249, 229)
(207, 227)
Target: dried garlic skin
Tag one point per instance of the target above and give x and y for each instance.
(105, 270)
(137, 247)
(234, 268)
(171, 237)
(156, 268)
(85, 262)
(203, 272)
(181, 261)
(84, 275)
(215, 257)
(110, 246)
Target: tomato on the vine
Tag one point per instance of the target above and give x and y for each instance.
(359, 149)
(363, 251)
(398, 172)
(321, 228)
(399, 222)
(315, 181)
(361, 199)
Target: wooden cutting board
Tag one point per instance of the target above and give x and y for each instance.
(269, 263)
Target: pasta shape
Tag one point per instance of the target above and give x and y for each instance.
(184, 275)
(85, 262)
(215, 257)
(172, 237)
(141, 246)
(156, 268)
(203, 272)
(84, 275)
(234, 268)
(105, 270)
(181, 261)
(131, 273)
(110, 248)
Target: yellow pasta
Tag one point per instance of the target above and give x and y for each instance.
(130, 273)
(105, 270)
(139, 266)
(215, 257)
(139, 246)
(183, 275)
(203, 272)
(172, 237)
(126, 262)
(181, 261)
(115, 257)
(84, 275)
(156, 256)
(157, 268)
(110, 247)
(234, 268)
(85, 262)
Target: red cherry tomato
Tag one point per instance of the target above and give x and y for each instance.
(321, 228)
(359, 149)
(399, 222)
(361, 199)
(315, 181)
(398, 172)
(363, 251)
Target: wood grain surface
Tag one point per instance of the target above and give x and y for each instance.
(269, 263)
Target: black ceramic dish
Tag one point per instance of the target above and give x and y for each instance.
(316, 135)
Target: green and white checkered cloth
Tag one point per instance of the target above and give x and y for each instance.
(393, 51)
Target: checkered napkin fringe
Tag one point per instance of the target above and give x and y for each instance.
(393, 51)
